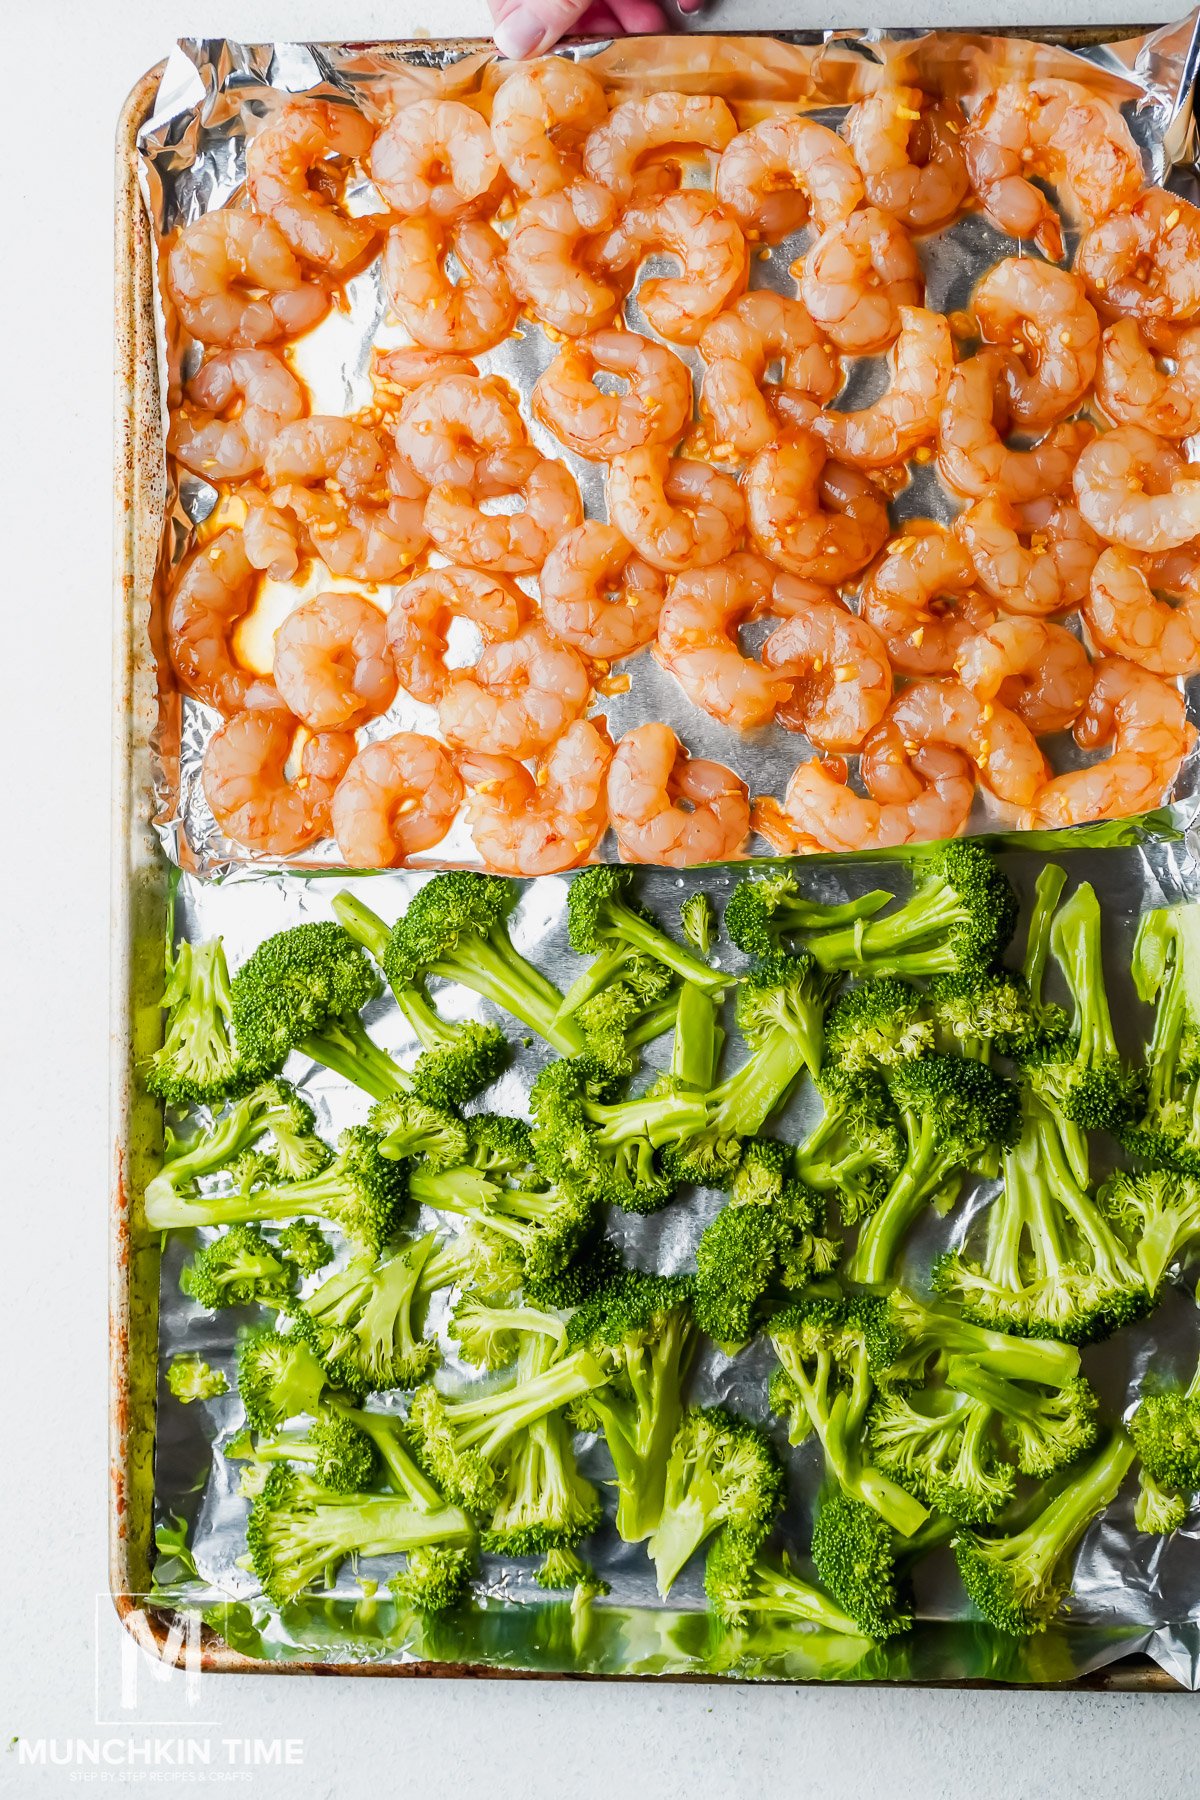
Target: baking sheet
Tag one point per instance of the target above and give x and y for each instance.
(192, 160)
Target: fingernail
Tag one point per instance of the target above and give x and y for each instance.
(519, 34)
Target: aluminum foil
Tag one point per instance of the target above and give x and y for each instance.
(1131, 1592)
(214, 93)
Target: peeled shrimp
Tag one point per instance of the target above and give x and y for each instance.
(473, 313)
(1126, 618)
(738, 346)
(1136, 490)
(634, 128)
(812, 515)
(1146, 262)
(669, 807)
(781, 173)
(906, 415)
(821, 812)
(519, 697)
(279, 159)
(409, 367)
(1044, 314)
(235, 280)
(452, 426)
(856, 278)
(553, 259)
(710, 247)
(399, 796)
(360, 508)
(516, 542)
(1001, 746)
(419, 623)
(1050, 573)
(675, 513)
(270, 535)
(437, 156)
(836, 664)
(543, 822)
(332, 665)
(1145, 721)
(246, 783)
(656, 409)
(598, 594)
(227, 449)
(1134, 389)
(1038, 670)
(539, 113)
(697, 642)
(215, 589)
(909, 150)
(972, 454)
(923, 599)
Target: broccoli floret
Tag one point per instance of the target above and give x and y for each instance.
(541, 1227)
(1158, 1214)
(364, 1320)
(499, 1145)
(299, 1535)
(906, 1336)
(765, 912)
(1166, 974)
(360, 1193)
(617, 1021)
(743, 1585)
(565, 1568)
(409, 1127)
(435, 1578)
(961, 917)
(881, 1021)
(953, 1110)
(857, 1148)
(641, 1332)
(197, 1064)
(604, 921)
(240, 1268)
(336, 1453)
(751, 1251)
(937, 1445)
(543, 1504)
(191, 1379)
(854, 1552)
(722, 1473)
(1045, 1431)
(976, 1008)
(1052, 1263)
(490, 1337)
(698, 918)
(1019, 1581)
(274, 1108)
(581, 1137)
(1166, 1432)
(1157, 1511)
(305, 1246)
(598, 1263)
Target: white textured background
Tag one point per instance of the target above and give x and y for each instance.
(68, 65)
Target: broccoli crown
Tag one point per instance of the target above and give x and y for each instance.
(449, 1077)
(197, 1064)
(589, 900)
(491, 1336)
(698, 917)
(581, 1138)
(937, 1445)
(1156, 1510)
(968, 1105)
(723, 1471)
(742, 1585)
(764, 911)
(985, 1006)
(364, 1192)
(789, 994)
(1166, 1431)
(1044, 1431)
(904, 1336)
(1088, 1082)
(279, 1377)
(189, 1379)
(1158, 1212)
(409, 1127)
(334, 1451)
(543, 1504)
(630, 1311)
(854, 1553)
(606, 1019)
(879, 1022)
(435, 1578)
(454, 906)
(961, 916)
(762, 1173)
(240, 1268)
(305, 1246)
(595, 1264)
(295, 984)
(748, 1251)
(363, 1320)
(498, 1145)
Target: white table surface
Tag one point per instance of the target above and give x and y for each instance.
(69, 65)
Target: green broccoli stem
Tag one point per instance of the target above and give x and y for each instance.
(781, 1594)
(654, 1022)
(1043, 1360)
(207, 1151)
(839, 1434)
(491, 967)
(698, 1038)
(316, 1197)
(603, 969)
(1109, 1257)
(348, 1050)
(966, 1376)
(376, 1525)
(637, 933)
(487, 1422)
(658, 1118)
(1159, 970)
(401, 1470)
(1057, 1529)
(743, 1104)
(900, 940)
(926, 1168)
(368, 929)
(1046, 895)
(1075, 941)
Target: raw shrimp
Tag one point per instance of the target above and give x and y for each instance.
(520, 696)
(1134, 389)
(399, 796)
(279, 160)
(674, 513)
(906, 415)
(547, 821)
(514, 543)
(1136, 490)
(1044, 315)
(598, 594)
(1038, 670)
(553, 259)
(856, 278)
(658, 121)
(656, 409)
(227, 449)
(409, 368)
(812, 515)
(437, 156)
(909, 149)
(1126, 618)
(419, 623)
(360, 508)
(972, 454)
(669, 807)
(923, 599)
(697, 642)
(235, 280)
(270, 535)
(246, 783)
(1000, 745)
(1050, 574)
(539, 115)
(1146, 261)
(332, 665)
(452, 426)
(215, 588)
(1145, 721)
(473, 313)
(711, 250)
(836, 664)
(1061, 132)
(784, 172)
(821, 812)
(738, 346)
